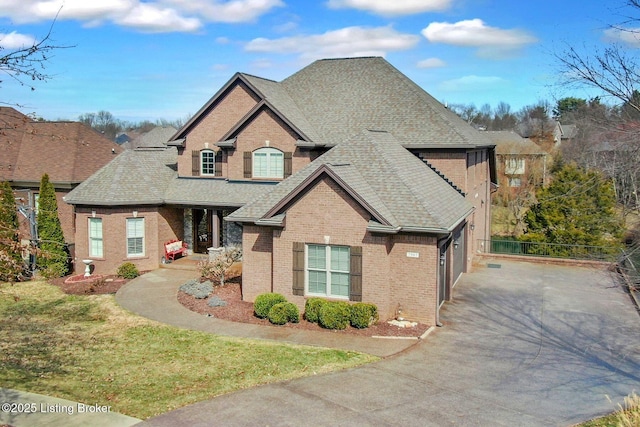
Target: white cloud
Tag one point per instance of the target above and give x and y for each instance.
(232, 11)
(146, 16)
(472, 82)
(431, 63)
(630, 36)
(490, 41)
(392, 8)
(350, 41)
(15, 40)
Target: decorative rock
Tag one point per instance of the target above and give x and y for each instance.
(403, 323)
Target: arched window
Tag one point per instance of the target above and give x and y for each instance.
(268, 163)
(208, 162)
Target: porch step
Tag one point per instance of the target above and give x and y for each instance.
(189, 262)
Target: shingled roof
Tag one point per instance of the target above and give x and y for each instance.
(331, 100)
(149, 177)
(397, 189)
(509, 142)
(69, 152)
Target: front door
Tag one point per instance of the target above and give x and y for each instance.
(202, 230)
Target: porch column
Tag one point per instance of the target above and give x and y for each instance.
(188, 230)
(215, 229)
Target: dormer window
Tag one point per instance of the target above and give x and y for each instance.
(268, 163)
(208, 162)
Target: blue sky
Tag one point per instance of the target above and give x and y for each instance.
(165, 58)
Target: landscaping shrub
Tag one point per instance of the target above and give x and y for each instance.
(363, 315)
(284, 312)
(196, 289)
(335, 315)
(128, 270)
(312, 309)
(264, 302)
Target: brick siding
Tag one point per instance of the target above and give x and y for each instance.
(328, 214)
(161, 225)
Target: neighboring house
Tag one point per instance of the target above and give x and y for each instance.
(69, 152)
(345, 180)
(155, 138)
(520, 160)
(564, 133)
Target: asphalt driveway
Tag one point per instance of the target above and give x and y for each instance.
(522, 345)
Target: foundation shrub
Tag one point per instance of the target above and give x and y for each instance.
(335, 315)
(312, 309)
(284, 312)
(264, 302)
(128, 270)
(363, 315)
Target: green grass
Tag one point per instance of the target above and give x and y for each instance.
(627, 415)
(87, 349)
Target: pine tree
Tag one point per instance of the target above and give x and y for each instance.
(12, 266)
(577, 208)
(53, 259)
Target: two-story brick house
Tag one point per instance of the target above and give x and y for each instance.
(345, 180)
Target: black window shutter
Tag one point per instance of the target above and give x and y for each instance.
(288, 164)
(247, 164)
(218, 163)
(355, 288)
(195, 163)
(298, 268)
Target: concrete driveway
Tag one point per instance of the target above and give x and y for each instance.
(522, 345)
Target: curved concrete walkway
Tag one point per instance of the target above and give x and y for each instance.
(522, 345)
(154, 295)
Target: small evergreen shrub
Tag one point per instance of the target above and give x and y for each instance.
(128, 270)
(363, 315)
(264, 302)
(196, 289)
(335, 315)
(312, 309)
(284, 312)
(216, 301)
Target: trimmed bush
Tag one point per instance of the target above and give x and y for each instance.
(128, 270)
(312, 309)
(196, 289)
(284, 312)
(264, 302)
(363, 315)
(335, 315)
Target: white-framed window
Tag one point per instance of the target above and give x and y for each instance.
(514, 182)
(327, 271)
(268, 163)
(514, 166)
(95, 238)
(208, 162)
(135, 237)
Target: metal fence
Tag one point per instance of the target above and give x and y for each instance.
(550, 250)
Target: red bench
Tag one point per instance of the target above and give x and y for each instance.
(173, 248)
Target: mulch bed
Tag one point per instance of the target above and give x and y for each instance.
(237, 310)
(78, 285)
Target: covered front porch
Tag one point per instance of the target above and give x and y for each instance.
(204, 228)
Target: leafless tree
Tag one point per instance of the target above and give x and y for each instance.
(26, 64)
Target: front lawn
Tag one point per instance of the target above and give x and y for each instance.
(87, 349)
